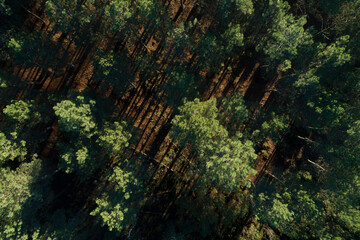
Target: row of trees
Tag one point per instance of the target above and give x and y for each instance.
(70, 164)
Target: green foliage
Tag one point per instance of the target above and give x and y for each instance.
(106, 63)
(18, 111)
(16, 188)
(76, 116)
(223, 162)
(267, 125)
(77, 158)
(89, 140)
(275, 127)
(244, 6)
(90, 20)
(275, 211)
(235, 9)
(286, 34)
(3, 82)
(346, 22)
(233, 111)
(197, 124)
(112, 70)
(24, 115)
(33, 49)
(322, 202)
(117, 12)
(208, 58)
(117, 207)
(22, 134)
(311, 63)
(254, 231)
(181, 81)
(114, 138)
(336, 54)
(15, 45)
(233, 37)
(68, 14)
(12, 148)
(353, 142)
(341, 204)
(180, 37)
(227, 163)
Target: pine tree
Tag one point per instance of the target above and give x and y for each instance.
(117, 207)
(17, 189)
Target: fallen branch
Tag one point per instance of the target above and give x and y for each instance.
(28, 11)
(316, 165)
(273, 176)
(307, 140)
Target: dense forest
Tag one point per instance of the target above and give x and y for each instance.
(179, 119)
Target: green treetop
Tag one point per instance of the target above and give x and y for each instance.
(78, 156)
(117, 207)
(222, 162)
(244, 6)
(68, 13)
(76, 116)
(113, 138)
(197, 124)
(117, 12)
(226, 164)
(11, 148)
(233, 112)
(285, 34)
(18, 111)
(112, 70)
(89, 140)
(16, 188)
(26, 114)
(182, 83)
